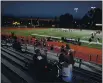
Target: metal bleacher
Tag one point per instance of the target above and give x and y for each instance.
(13, 67)
(4, 79)
(14, 63)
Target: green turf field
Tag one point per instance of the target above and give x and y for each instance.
(84, 34)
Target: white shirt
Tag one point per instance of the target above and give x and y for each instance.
(39, 58)
(67, 72)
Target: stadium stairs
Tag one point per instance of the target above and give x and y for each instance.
(13, 68)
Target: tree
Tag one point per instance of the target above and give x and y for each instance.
(56, 20)
(94, 16)
(66, 20)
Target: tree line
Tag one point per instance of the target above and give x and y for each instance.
(92, 17)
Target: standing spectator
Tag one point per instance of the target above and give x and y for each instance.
(67, 68)
(61, 57)
(71, 58)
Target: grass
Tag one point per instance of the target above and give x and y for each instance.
(84, 35)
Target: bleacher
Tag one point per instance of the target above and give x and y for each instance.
(14, 70)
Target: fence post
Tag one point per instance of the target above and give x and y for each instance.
(80, 62)
(96, 58)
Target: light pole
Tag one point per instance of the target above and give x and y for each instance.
(93, 12)
(31, 22)
(76, 10)
(93, 8)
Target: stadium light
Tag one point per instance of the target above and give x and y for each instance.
(76, 9)
(98, 24)
(75, 21)
(93, 7)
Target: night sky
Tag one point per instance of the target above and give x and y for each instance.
(47, 8)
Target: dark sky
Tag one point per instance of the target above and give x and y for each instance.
(47, 8)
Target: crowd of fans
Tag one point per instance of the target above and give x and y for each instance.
(65, 57)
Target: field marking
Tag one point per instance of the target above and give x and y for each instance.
(47, 36)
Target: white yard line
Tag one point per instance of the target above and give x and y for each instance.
(46, 36)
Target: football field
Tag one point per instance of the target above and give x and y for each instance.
(84, 35)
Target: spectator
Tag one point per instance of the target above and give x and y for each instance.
(52, 47)
(71, 58)
(12, 34)
(22, 40)
(37, 53)
(39, 60)
(61, 57)
(62, 49)
(67, 68)
(44, 44)
(17, 45)
(67, 47)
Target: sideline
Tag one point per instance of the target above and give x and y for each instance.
(84, 41)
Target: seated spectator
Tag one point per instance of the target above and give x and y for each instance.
(12, 34)
(39, 60)
(14, 37)
(17, 45)
(67, 47)
(52, 47)
(3, 37)
(22, 39)
(62, 49)
(44, 43)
